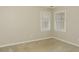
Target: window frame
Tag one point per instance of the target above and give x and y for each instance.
(55, 25)
(42, 15)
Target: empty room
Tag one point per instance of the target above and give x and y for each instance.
(39, 29)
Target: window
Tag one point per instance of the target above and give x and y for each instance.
(45, 21)
(60, 21)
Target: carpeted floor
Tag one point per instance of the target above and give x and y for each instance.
(48, 45)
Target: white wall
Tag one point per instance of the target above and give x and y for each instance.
(19, 24)
(72, 24)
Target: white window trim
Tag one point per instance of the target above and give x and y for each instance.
(64, 29)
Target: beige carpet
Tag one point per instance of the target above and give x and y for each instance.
(48, 45)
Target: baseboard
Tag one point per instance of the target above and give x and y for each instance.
(69, 42)
(17, 43)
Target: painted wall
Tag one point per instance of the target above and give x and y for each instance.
(19, 24)
(72, 24)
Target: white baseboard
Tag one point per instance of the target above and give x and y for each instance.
(69, 42)
(17, 43)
